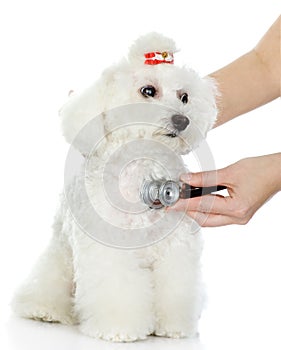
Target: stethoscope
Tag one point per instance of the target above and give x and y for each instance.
(161, 193)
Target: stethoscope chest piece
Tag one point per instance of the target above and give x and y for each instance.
(158, 194)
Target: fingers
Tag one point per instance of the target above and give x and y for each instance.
(214, 210)
(205, 178)
(211, 220)
(213, 204)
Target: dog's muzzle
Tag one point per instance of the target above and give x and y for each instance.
(180, 122)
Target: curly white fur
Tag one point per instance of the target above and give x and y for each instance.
(114, 294)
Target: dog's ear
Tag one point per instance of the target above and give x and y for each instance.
(81, 116)
(150, 43)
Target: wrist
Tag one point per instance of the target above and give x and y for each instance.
(275, 170)
(271, 165)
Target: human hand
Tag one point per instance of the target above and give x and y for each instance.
(250, 183)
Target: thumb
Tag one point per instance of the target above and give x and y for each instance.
(205, 178)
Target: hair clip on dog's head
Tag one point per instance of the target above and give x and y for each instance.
(152, 58)
(152, 49)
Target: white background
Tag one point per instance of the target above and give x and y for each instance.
(50, 47)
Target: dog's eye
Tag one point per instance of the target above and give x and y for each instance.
(148, 91)
(184, 98)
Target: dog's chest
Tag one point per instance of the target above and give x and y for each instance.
(122, 168)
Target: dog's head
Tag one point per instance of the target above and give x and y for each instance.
(147, 76)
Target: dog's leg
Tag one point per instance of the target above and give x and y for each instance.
(47, 294)
(114, 296)
(178, 293)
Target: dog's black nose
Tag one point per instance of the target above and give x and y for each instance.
(180, 122)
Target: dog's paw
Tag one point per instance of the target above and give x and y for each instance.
(26, 307)
(127, 335)
(50, 316)
(123, 337)
(176, 334)
(46, 314)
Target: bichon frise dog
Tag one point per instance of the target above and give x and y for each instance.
(155, 287)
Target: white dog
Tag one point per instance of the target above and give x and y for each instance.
(126, 294)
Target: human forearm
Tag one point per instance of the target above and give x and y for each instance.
(252, 80)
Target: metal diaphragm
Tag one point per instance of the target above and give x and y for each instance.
(169, 193)
(159, 194)
(150, 194)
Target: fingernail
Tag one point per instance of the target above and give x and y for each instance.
(186, 177)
